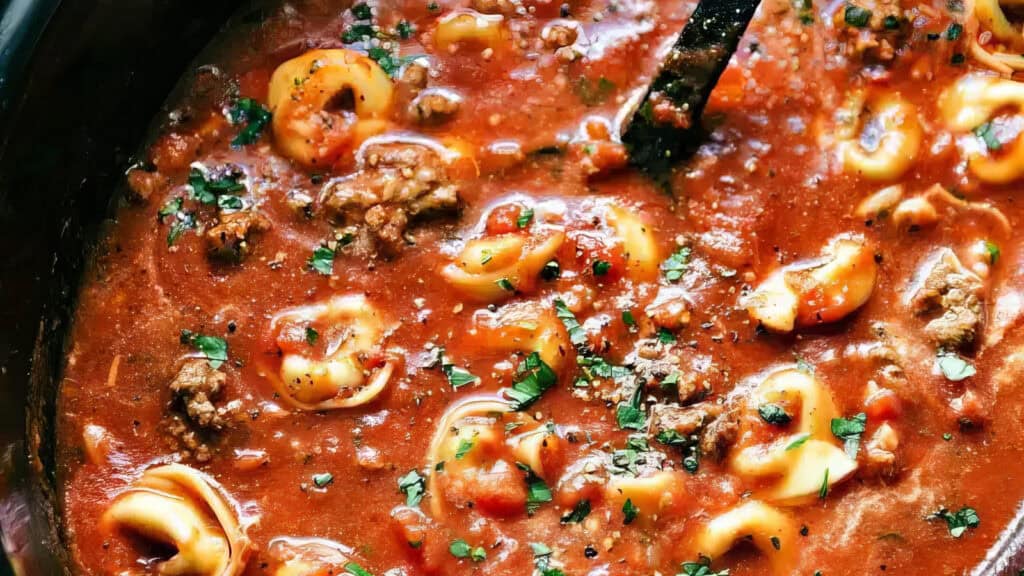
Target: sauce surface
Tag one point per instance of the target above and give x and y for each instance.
(386, 287)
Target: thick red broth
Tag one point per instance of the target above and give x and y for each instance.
(385, 296)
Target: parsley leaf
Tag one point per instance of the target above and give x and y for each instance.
(356, 570)
(206, 191)
(465, 445)
(993, 252)
(214, 349)
(675, 265)
(362, 11)
(774, 414)
(322, 261)
(601, 267)
(505, 284)
(182, 221)
(856, 16)
(629, 512)
(537, 491)
(534, 378)
(171, 208)
(405, 29)
(701, 567)
(322, 480)
(253, 115)
(849, 430)
(798, 442)
(665, 336)
(823, 491)
(525, 217)
(580, 511)
(413, 486)
(627, 318)
(311, 336)
(987, 133)
(955, 368)
(958, 522)
(551, 270)
(542, 560)
(577, 335)
(954, 31)
(629, 415)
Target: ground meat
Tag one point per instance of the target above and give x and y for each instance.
(185, 439)
(684, 420)
(434, 106)
(879, 37)
(416, 75)
(944, 286)
(396, 183)
(230, 238)
(670, 310)
(659, 365)
(196, 386)
(880, 453)
(144, 184)
(718, 436)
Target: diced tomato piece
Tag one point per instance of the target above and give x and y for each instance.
(504, 219)
(883, 405)
(728, 93)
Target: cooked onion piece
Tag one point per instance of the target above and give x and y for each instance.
(524, 327)
(325, 102)
(470, 27)
(638, 243)
(799, 463)
(820, 291)
(879, 203)
(179, 506)
(968, 105)
(350, 330)
(494, 268)
(773, 533)
(884, 145)
(475, 450)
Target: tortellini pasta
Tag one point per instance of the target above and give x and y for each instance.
(478, 444)
(974, 100)
(180, 507)
(799, 463)
(524, 327)
(638, 244)
(325, 102)
(469, 26)
(650, 494)
(308, 556)
(822, 290)
(350, 330)
(884, 146)
(493, 268)
(770, 530)
(1007, 43)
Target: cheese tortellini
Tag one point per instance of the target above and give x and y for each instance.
(308, 556)
(799, 463)
(468, 26)
(475, 451)
(974, 100)
(493, 268)
(884, 145)
(638, 244)
(343, 365)
(771, 531)
(325, 102)
(650, 494)
(180, 507)
(822, 290)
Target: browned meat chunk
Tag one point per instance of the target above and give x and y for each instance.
(718, 436)
(197, 385)
(396, 183)
(944, 286)
(230, 238)
(872, 29)
(683, 420)
(184, 438)
(434, 106)
(658, 365)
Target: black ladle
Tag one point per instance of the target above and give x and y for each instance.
(665, 127)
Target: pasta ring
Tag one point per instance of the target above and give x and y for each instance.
(182, 507)
(772, 532)
(339, 380)
(305, 93)
(898, 145)
(974, 100)
(492, 269)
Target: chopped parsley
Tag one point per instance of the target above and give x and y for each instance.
(823, 491)
(701, 567)
(629, 416)
(551, 270)
(358, 32)
(534, 377)
(542, 560)
(537, 491)
(322, 261)
(798, 442)
(229, 202)
(577, 335)
(171, 208)
(323, 479)
(891, 23)
(954, 368)
(987, 133)
(182, 221)
(958, 522)
(629, 512)
(601, 267)
(361, 11)
(954, 31)
(525, 217)
(505, 284)
(774, 414)
(206, 191)
(457, 377)
(627, 318)
(214, 349)
(255, 117)
(856, 16)
(413, 486)
(665, 336)
(675, 265)
(993, 252)
(460, 549)
(580, 511)
(405, 29)
(849, 430)
(311, 336)
(465, 445)
(356, 570)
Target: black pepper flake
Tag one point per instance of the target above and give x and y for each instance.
(590, 552)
